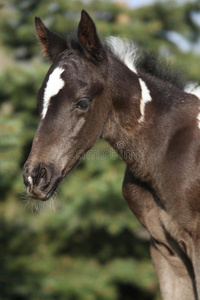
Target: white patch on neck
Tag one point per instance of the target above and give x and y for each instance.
(198, 118)
(125, 50)
(194, 88)
(145, 97)
(54, 84)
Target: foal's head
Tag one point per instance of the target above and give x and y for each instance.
(74, 105)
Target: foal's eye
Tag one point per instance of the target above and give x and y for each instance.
(83, 104)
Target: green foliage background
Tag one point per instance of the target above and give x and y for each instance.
(85, 245)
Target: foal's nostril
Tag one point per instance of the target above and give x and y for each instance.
(37, 176)
(42, 173)
(42, 178)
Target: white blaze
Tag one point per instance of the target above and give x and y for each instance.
(54, 84)
(145, 97)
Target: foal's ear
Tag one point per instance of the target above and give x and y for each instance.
(52, 44)
(89, 39)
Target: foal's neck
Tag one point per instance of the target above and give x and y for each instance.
(146, 113)
(123, 130)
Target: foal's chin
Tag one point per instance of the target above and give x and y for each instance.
(40, 196)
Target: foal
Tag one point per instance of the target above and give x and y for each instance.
(93, 91)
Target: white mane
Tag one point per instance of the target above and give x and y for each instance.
(193, 88)
(123, 49)
(127, 52)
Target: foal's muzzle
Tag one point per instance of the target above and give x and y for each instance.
(40, 180)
